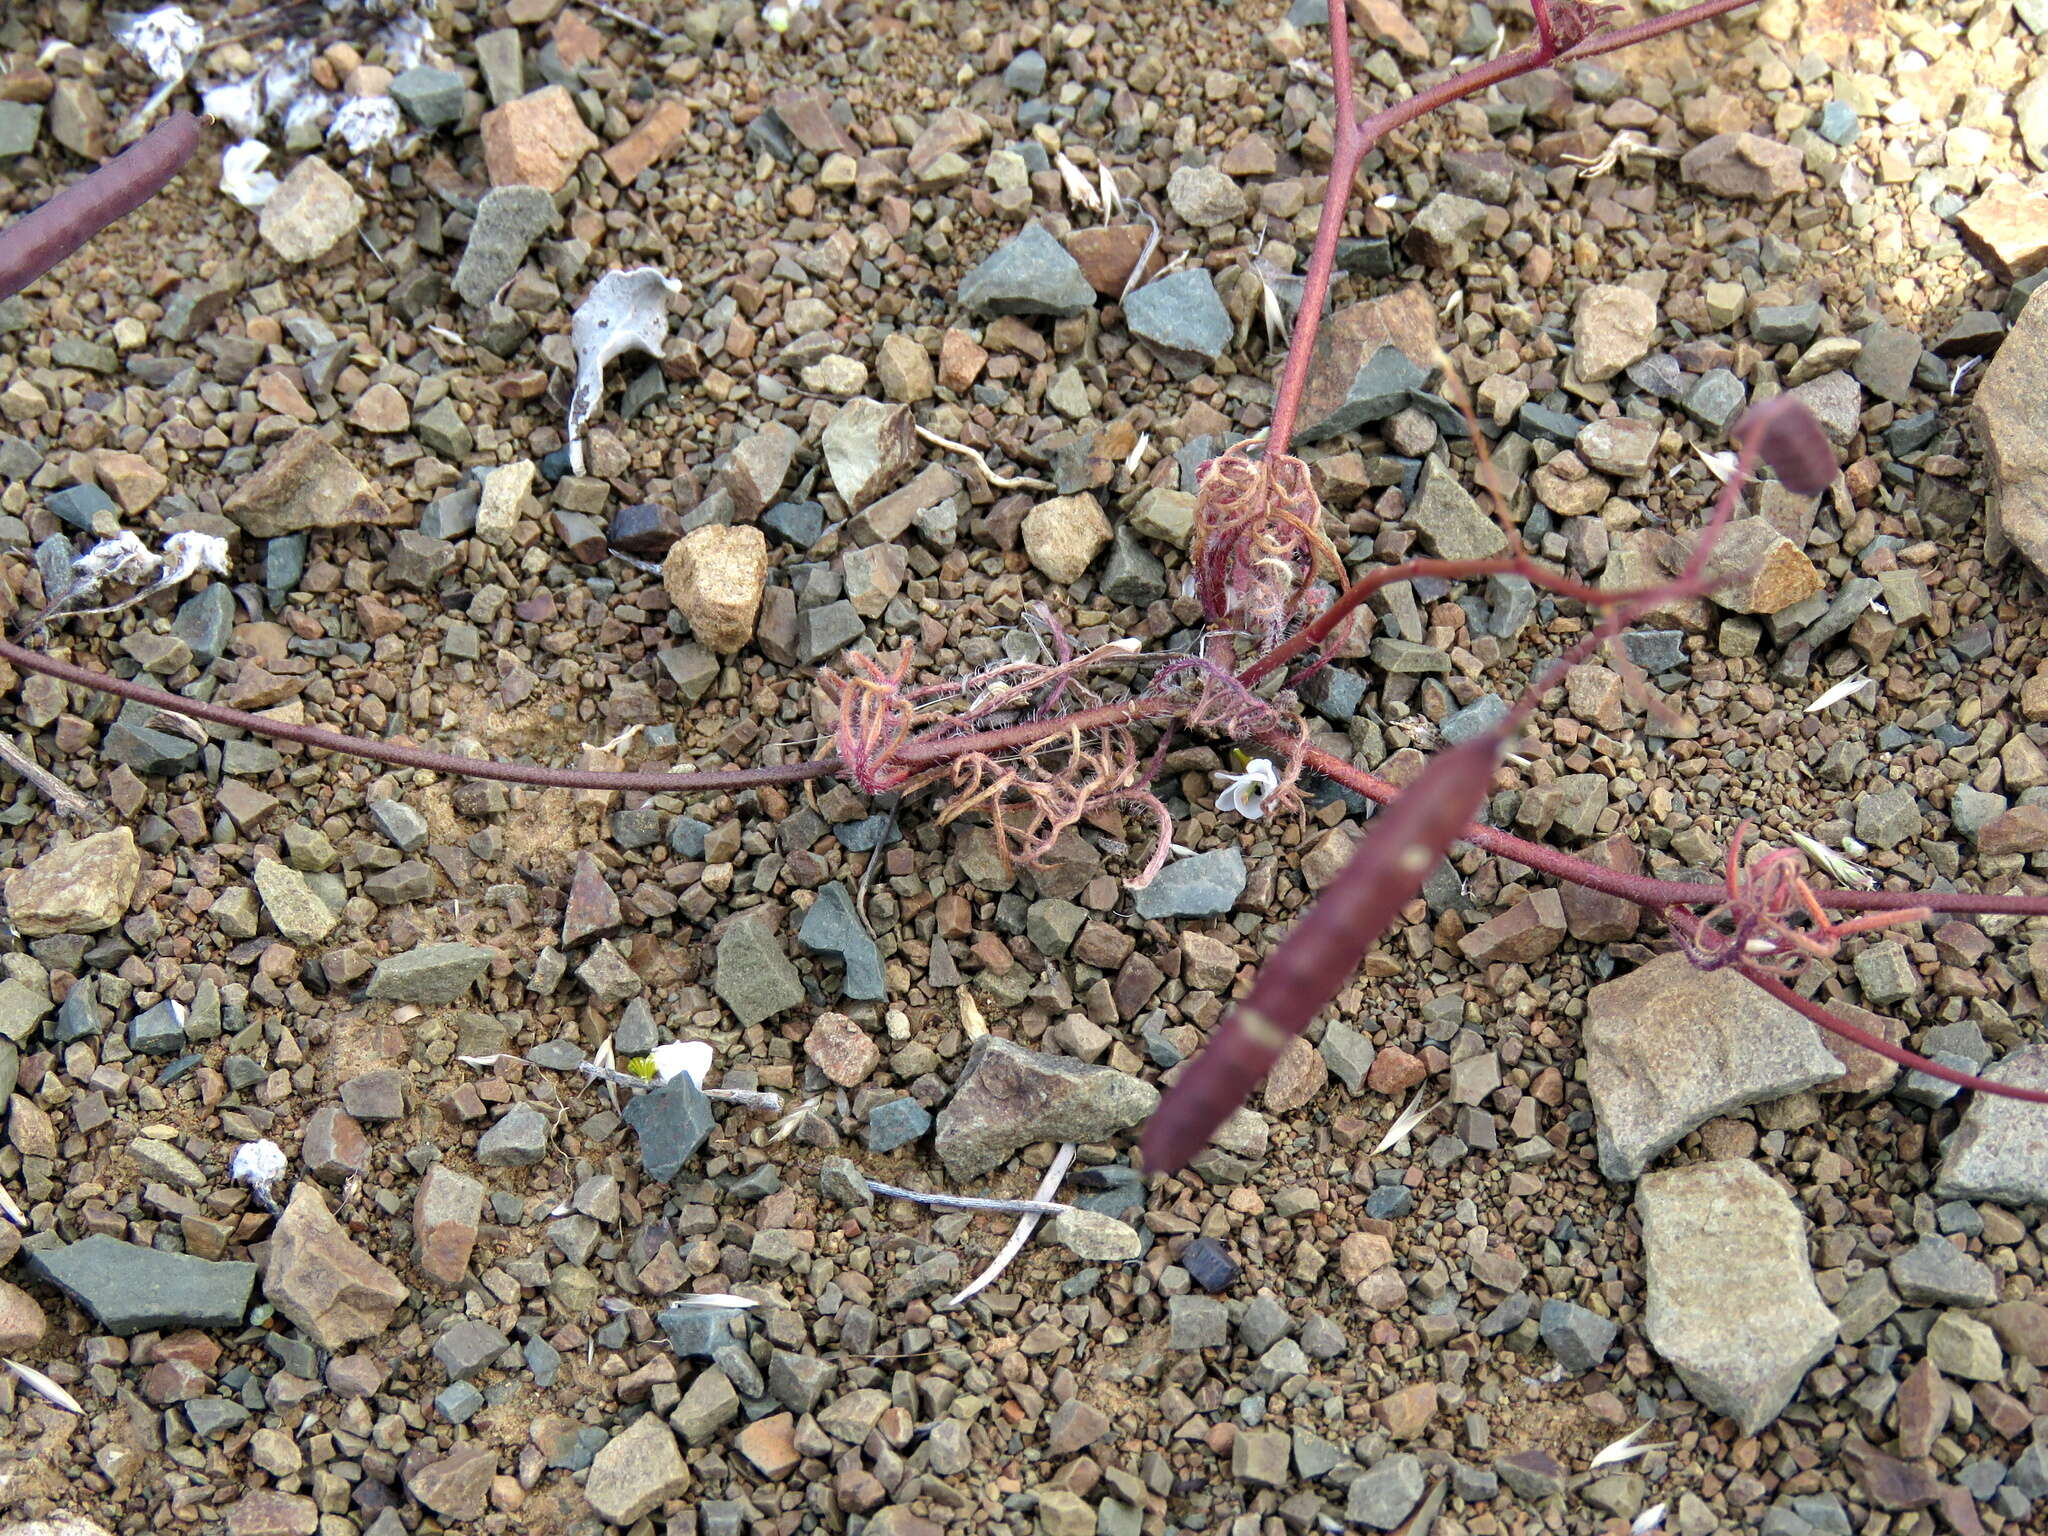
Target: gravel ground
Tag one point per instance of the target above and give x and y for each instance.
(1646, 1199)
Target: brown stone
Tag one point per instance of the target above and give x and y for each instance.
(770, 1444)
(2023, 829)
(1759, 570)
(714, 575)
(1745, 165)
(445, 1217)
(1348, 339)
(455, 1486)
(2012, 415)
(22, 1324)
(334, 1148)
(1923, 1409)
(1532, 928)
(305, 483)
(130, 479)
(1863, 1071)
(841, 1049)
(267, 1512)
(1297, 1077)
(2007, 229)
(83, 886)
(1408, 1412)
(592, 910)
(650, 143)
(536, 141)
(1362, 1254)
(1395, 1071)
(380, 409)
(1109, 254)
(321, 1280)
(1593, 917)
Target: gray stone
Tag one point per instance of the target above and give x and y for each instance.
(1381, 388)
(832, 927)
(673, 1122)
(1886, 818)
(697, 1333)
(1476, 719)
(430, 97)
(1715, 399)
(1264, 1323)
(896, 1123)
(467, 1346)
(1182, 319)
(158, 1030)
(1777, 325)
(430, 973)
(1731, 1302)
(2000, 1150)
(1449, 522)
(205, 622)
(129, 1288)
(1347, 1053)
(1029, 274)
(1668, 1047)
(1095, 1237)
(1203, 885)
(1196, 1322)
(1387, 1494)
(1009, 1097)
(2011, 408)
(21, 124)
(639, 1470)
(508, 221)
(405, 827)
(753, 977)
(1202, 195)
(1935, 1272)
(1133, 575)
(1579, 1338)
(519, 1139)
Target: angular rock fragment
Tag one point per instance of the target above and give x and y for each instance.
(1669, 1047)
(83, 886)
(1731, 1300)
(2000, 1150)
(305, 483)
(2011, 407)
(322, 1280)
(1008, 1097)
(129, 1288)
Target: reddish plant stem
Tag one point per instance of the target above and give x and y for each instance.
(1657, 895)
(41, 238)
(1354, 140)
(1883, 1047)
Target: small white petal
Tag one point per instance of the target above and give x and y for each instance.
(685, 1058)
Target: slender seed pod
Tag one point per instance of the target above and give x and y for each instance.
(1314, 961)
(38, 240)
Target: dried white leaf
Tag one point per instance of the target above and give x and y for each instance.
(787, 1125)
(241, 177)
(1627, 1448)
(1409, 1118)
(720, 1301)
(1112, 197)
(37, 1382)
(237, 105)
(1137, 455)
(487, 1062)
(10, 1210)
(1649, 1520)
(1722, 464)
(188, 553)
(165, 39)
(1078, 189)
(1026, 1225)
(625, 312)
(366, 122)
(1846, 688)
(972, 1024)
(1841, 870)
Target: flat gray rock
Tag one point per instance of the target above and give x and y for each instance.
(1669, 1047)
(430, 973)
(1181, 317)
(753, 977)
(1009, 1097)
(832, 927)
(2000, 1151)
(1205, 885)
(1029, 274)
(1731, 1302)
(129, 1288)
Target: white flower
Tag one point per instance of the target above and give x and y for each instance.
(1247, 792)
(685, 1058)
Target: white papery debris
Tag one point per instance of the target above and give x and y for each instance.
(625, 312)
(237, 105)
(240, 176)
(165, 39)
(125, 561)
(259, 1164)
(365, 122)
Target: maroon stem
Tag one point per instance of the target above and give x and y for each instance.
(1640, 889)
(38, 240)
(1354, 140)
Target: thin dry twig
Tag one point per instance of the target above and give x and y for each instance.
(1000, 482)
(973, 1202)
(64, 800)
(1026, 1225)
